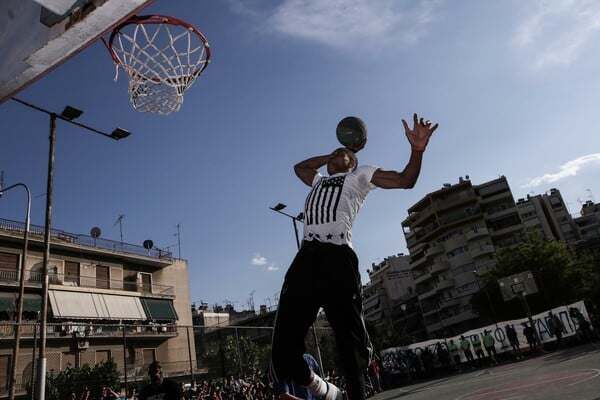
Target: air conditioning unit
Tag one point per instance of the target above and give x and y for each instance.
(83, 344)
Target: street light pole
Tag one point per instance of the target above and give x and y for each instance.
(300, 218)
(68, 115)
(17, 327)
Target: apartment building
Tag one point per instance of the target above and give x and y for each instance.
(106, 299)
(451, 235)
(589, 222)
(548, 215)
(390, 284)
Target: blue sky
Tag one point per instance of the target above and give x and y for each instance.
(514, 86)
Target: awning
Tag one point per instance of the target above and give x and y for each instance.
(32, 302)
(124, 307)
(80, 305)
(159, 309)
(7, 301)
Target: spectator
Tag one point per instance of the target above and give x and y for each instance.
(454, 352)
(490, 348)
(465, 345)
(373, 371)
(529, 333)
(511, 334)
(555, 327)
(478, 350)
(160, 387)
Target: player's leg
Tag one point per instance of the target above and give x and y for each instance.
(343, 306)
(296, 311)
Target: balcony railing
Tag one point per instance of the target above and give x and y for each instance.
(81, 330)
(83, 240)
(33, 278)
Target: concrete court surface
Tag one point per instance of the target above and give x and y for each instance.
(570, 374)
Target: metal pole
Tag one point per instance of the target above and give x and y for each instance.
(187, 331)
(44, 317)
(17, 328)
(124, 358)
(489, 299)
(33, 366)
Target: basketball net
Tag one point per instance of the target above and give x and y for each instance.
(162, 57)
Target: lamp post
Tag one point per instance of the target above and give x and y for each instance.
(17, 327)
(299, 218)
(487, 295)
(69, 114)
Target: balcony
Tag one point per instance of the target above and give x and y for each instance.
(421, 276)
(418, 262)
(479, 232)
(83, 330)
(440, 266)
(430, 292)
(444, 284)
(36, 233)
(482, 250)
(434, 250)
(62, 281)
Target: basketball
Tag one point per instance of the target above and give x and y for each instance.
(351, 131)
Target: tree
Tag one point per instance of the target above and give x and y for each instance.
(60, 385)
(238, 354)
(562, 276)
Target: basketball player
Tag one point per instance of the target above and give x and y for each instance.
(325, 272)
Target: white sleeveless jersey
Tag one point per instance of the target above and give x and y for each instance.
(334, 202)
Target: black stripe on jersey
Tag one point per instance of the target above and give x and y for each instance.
(322, 202)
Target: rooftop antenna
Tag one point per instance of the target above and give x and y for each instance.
(120, 222)
(251, 300)
(178, 234)
(587, 190)
(1, 179)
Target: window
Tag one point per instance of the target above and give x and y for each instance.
(67, 359)
(71, 273)
(9, 265)
(102, 277)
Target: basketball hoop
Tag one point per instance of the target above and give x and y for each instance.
(162, 57)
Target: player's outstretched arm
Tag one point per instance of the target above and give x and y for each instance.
(307, 169)
(418, 137)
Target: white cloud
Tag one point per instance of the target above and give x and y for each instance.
(555, 32)
(345, 23)
(566, 170)
(259, 260)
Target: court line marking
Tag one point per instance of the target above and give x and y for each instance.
(530, 384)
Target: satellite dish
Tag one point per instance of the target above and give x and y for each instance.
(95, 232)
(148, 244)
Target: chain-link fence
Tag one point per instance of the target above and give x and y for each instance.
(186, 352)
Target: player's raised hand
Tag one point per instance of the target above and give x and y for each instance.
(421, 132)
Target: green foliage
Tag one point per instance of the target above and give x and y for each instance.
(243, 355)
(60, 385)
(562, 277)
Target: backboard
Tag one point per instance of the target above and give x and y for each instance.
(522, 283)
(38, 35)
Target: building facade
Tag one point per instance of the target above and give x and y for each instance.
(547, 214)
(106, 299)
(452, 235)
